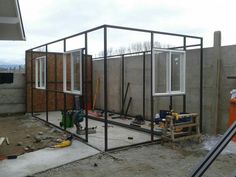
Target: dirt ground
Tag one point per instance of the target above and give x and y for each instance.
(26, 134)
(166, 160)
(147, 161)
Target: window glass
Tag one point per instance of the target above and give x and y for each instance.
(76, 70)
(72, 71)
(68, 72)
(40, 72)
(161, 65)
(175, 71)
(168, 72)
(43, 73)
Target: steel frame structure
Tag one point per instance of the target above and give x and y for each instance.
(105, 58)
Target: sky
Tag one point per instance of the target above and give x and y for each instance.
(48, 20)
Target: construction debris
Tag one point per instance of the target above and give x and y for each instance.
(31, 135)
(138, 121)
(26, 148)
(12, 157)
(3, 157)
(91, 130)
(40, 133)
(19, 143)
(37, 139)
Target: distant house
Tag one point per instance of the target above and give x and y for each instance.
(11, 26)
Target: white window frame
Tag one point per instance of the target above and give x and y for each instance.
(169, 91)
(39, 82)
(73, 91)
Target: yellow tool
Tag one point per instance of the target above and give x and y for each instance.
(63, 144)
(162, 125)
(177, 117)
(175, 114)
(178, 129)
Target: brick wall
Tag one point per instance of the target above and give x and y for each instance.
(55, 82)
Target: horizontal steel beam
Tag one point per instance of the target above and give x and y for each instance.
(126, 126)
(115, 27)
(151, 31)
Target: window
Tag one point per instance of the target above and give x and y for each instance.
(72, 72)
(40, 72)
(168, 72)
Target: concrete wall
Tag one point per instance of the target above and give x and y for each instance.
(228, 68)
(12, 96)
(218, 63)
(133, 74)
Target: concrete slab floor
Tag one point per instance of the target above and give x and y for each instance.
(117, 136)
(147, 161)
(45, 159)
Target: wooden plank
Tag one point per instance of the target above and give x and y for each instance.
(186, 137)
(2, 140)
(181, 133)
(186, 125)
(177, 133)
(184, 115)
(170, 128)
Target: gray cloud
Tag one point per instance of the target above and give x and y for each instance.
(49, 20)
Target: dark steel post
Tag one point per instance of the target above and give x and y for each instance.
(64, 94)
(105, 87)
(26, 82)
(46, 82)
(201, 82)
(144, 69)
(64, 111)
(122, 84)
(184, 96)
(32, 89)
(171, 103)
(55, 86)
(91, 84)
(86, 86)
(152, 115)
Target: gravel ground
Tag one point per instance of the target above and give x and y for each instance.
(147, 161)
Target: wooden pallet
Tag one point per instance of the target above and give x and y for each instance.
(192, 128)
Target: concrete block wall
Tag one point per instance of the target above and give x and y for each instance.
(133, 74)
(12, 95)
(228, 68)
(219, 62)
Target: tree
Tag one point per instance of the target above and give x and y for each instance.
(134, 47)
